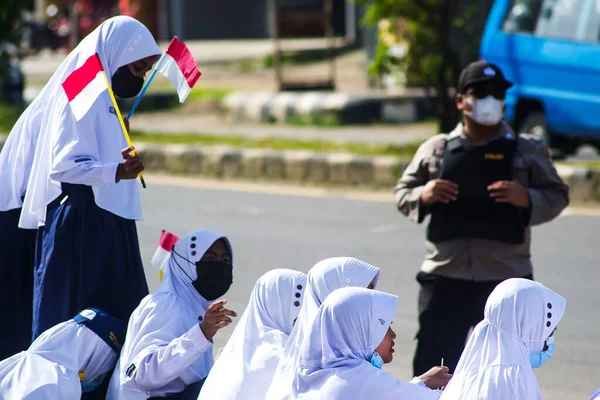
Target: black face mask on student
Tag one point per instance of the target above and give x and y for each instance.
(214, 278)
(125, 84)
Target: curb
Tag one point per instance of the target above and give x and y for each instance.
(304, 167)
(315, 107)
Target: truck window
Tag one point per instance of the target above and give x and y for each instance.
(559, 19)
(522, 16)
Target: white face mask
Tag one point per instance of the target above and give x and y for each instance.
(488, 111)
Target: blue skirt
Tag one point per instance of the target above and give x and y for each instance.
(17, 254)
(87, 257)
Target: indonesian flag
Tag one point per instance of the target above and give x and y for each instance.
(179, 66)
(164, 249)
(84, 85)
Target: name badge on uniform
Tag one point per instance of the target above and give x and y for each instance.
(112, 110)
(494, 156)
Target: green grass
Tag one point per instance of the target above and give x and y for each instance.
(8, 116)
(581, 163)
(208, 94)
(405, 151)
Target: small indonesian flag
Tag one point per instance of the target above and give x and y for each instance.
(163, 252)
(84, 85)
(179, 66)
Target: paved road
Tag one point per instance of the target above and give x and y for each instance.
(279, 230)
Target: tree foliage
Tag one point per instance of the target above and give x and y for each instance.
(443, 37)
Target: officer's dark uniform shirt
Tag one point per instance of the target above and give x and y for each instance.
(492, 255)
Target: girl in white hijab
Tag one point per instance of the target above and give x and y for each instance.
(82, 184)
(245, 367)
(324, 278)
(67, 360)
(515, 336)
(342, 356)
(169, 337)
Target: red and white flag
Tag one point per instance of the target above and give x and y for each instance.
(179, 66)
(84, 85)
(164, 249)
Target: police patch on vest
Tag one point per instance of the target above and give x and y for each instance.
(112, 110)
(494, 156)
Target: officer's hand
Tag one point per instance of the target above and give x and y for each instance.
(436, 377)
(511, 192)
(439, 191)
(216, 317)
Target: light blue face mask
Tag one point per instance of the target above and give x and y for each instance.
(539, 358)
(93, 384)
(376, 360)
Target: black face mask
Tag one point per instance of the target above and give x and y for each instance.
(214, 278)
(125, 84)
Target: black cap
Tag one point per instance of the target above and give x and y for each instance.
(480, 72)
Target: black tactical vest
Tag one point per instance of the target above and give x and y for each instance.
(474, 214)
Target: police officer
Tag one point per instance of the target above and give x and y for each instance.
(483, 187)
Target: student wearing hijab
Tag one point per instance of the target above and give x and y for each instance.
(248, 361)
(324, 278)
(169, 337)
(82, 185)
(17, 246)
(516, 335)
(66, 361)
(348, 342)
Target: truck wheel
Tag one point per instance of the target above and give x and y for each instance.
(535, 123)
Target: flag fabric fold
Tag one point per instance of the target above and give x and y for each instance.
(84, 85)
(179, 66)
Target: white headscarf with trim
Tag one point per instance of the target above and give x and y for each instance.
(174, 308)
(335, 357)
(245, 367)
(49, 368)
(323, 279)
(63, 140)
(519, 317)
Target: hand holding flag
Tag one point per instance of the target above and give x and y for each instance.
(84, 85)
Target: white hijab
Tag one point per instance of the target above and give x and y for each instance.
(17, 154)
(246, 366)
(118, 41)
(324, 278)
(335, 358)
(519, 316)
(173, 309)
(49, 368)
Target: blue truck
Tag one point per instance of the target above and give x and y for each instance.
(550, 49)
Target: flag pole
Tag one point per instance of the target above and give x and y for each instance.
(137, 101)
(123, 127)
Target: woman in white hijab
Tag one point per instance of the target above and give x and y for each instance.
(515, 336)
(169, 336)
(67, 360)
(17, 246)
(348, 341)
(82, 184)
(245, 367)
(324, 278)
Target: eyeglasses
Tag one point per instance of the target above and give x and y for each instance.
(482, 91)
